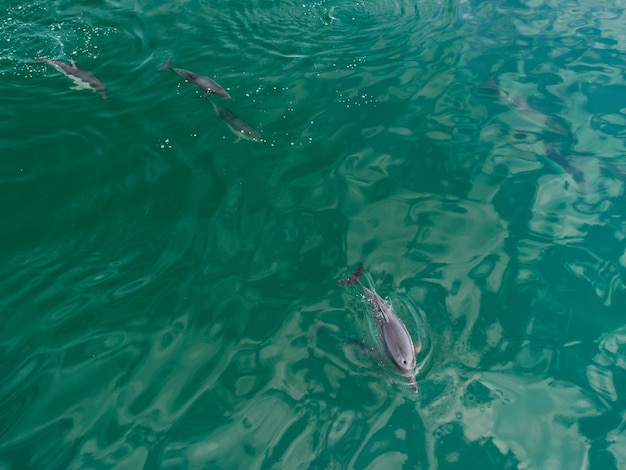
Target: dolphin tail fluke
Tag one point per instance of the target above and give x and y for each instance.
(166, 65)
(354, 278)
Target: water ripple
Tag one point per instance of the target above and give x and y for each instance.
(169, 294)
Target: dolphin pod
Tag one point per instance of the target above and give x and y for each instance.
(87, 80)
(397, 341)
(393, 333)
(235, 124)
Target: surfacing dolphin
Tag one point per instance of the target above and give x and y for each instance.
(394, 335)
(83, 78)
(239, 127)
(204, 83)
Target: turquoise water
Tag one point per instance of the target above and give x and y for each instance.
(169, 295)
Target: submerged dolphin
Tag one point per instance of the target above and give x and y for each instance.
(394, 335)
(204, 83)
(524, 108)
(239, 127)
(83, 78)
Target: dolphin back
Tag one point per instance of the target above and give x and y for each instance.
(204, 83)
(398, 343)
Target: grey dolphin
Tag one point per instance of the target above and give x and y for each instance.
(239, 127)
(394, 335)
(83, 78)
(204, 83)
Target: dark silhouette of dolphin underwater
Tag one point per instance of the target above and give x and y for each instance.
(394, 335)
(522, 106)
(83, 78)
(239, 127)
(204, 83)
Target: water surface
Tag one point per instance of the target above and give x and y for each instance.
(169, 294)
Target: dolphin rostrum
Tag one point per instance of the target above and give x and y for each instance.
(239, 127)
(204, 83)
(394, 335)
(83, 78)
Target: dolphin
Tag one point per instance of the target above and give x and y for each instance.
(239, 127)
(398, 343)
(83, 78)
(204, 83)
(524, 108)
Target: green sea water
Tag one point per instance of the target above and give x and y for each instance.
(169, 295)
